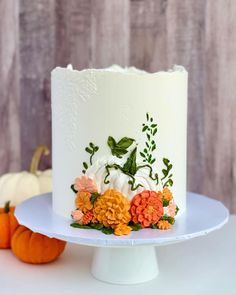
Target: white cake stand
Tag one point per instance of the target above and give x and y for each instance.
(127, 259)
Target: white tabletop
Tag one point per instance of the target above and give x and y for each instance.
(204, 265)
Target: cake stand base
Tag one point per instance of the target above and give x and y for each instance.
(127, 259)
(125, 265)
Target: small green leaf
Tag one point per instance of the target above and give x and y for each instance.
(94, 197)
(145, 151)
(153, 161)
(97, 226)
(154, 226)
(111, 142)
(142, 155)
(135, 226)
(85, 165)
(73, 189)
(154, 131)
(88, 150)
(144, 128)
(83, 171)
(125, 142)
(147, 116)
(165, 203)
(154, 125)
(166, 161)
(96, 148)
(176, 210)
(91, 145)
(77, 225)
(130, 166)
(107, 231)
(148, 136)
(165, 172)
(170, 219)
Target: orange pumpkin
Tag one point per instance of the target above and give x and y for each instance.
(8, 225)
(35, 248)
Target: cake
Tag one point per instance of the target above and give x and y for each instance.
(119, 147)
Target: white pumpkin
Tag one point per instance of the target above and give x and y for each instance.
(118, 180)
(17, 187)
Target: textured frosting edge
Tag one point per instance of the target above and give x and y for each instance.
(126, 70)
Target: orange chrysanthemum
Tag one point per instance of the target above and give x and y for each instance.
(122, 229)
(83, 202)
(146, 208)
(163, 224)
(87, 218)
(111, 209)
(167, 194)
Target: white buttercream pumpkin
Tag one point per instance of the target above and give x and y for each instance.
(118, 180)
(17, 187)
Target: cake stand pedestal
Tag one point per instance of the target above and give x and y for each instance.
(127, 259)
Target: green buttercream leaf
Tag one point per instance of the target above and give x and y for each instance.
(165, 203)
(154, 131)
(154, 226)
(107, 231)
(85, 165)
(144, 128)
(135, 226)
(125, 142)
(170, 219)
(147, 116)
(130, 166)
(77, 225)
(94, 197)
(176, 210)
(111, 142)
(97, 226)
(88, 150)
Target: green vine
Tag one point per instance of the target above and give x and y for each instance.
(150, 129)
(91, 150)
(167, 175)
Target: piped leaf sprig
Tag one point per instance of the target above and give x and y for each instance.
(167, 175)
(119, 149)
(150, 129)
(91, 150)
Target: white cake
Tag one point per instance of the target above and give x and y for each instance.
(102, 106)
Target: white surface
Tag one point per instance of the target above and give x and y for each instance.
(200, 266)
(202, 216)
(128, 266)
(90, 105)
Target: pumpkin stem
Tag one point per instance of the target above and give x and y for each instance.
(39, 151)
(7, 207)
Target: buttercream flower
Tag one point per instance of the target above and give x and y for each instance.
(111, 209)
(167, 194)
(77, 215)
(163, 225)
(86, 184)
(171, 209)
(147, 208)
(87, 218)
(122, 229)
(83, 202)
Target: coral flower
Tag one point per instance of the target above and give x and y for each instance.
(85, 184)
(83, 202)
(111, 209)
(163, 224)
(146, 208)
(122, 229)
(77, 215)
(87, 218)
(167, 194)
(171, 209)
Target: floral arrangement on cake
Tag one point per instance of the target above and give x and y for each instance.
(117, 195)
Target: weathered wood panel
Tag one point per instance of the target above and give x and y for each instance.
(9, 87)
(37, 48)
(150, 34)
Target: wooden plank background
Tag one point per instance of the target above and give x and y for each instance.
(35, 36)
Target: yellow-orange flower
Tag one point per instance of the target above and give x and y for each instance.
(163, 224)
(83, 202)
(167, 194)
(122, 229)
(111, 209)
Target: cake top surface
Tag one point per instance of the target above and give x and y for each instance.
(126, 70)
